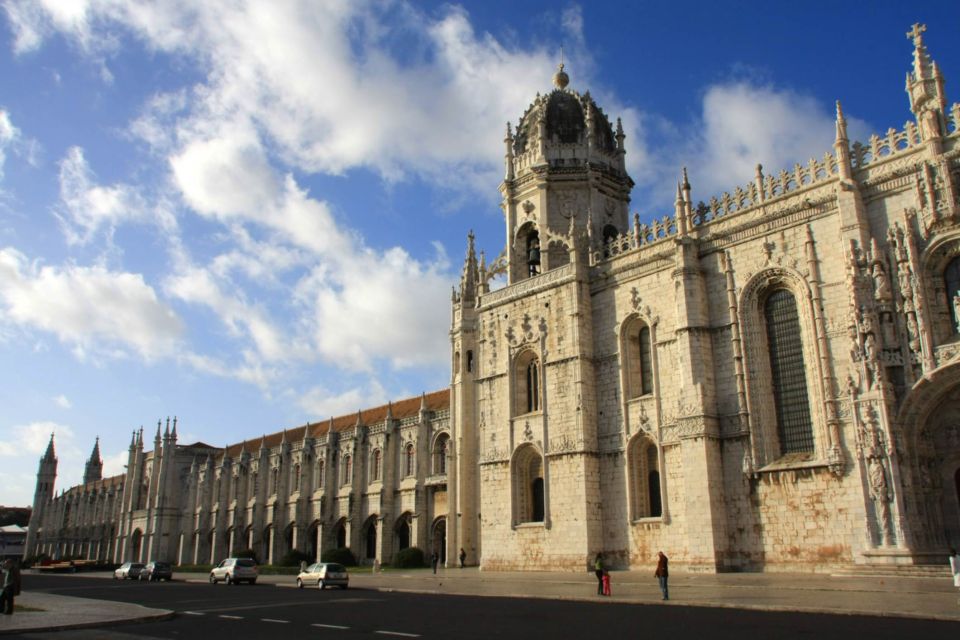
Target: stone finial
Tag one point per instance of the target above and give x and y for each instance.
(841, 123)
(173, 433)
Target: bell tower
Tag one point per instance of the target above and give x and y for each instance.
(42, 496)
(565, 172)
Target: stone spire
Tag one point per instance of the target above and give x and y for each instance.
(50, 455)
(841, 146)
(94, 468)
(470, 275)
(173, 434)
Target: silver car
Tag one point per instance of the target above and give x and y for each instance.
(324, 574)
(127, 570)
(235, 571)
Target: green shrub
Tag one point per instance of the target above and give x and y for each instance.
(294, 558)
(277, 570)
(342, 555)
(29, 561)
(409, 558)
(194, 568)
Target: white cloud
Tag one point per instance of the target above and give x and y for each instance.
(63, 402)
(88, 207)
(745, 124)
(8, 136)
(89, 309)
(34, 437)
(320, 401)
(114, 464)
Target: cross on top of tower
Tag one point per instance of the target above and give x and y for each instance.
(916, 33)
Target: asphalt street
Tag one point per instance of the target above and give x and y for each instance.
(266, 611)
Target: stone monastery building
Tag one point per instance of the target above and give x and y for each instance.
(767, 379)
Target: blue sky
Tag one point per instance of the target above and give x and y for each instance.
(250, 214)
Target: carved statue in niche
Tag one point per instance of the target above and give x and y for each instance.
(881, 283)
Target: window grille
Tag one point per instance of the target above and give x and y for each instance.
(646, 369)
(533, 387)
(788, 374)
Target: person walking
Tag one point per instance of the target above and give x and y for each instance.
(606, 583)
(955, 566)
(9, 586)
(598, 571)
(463, 557)
(662, 573)
(434, 561)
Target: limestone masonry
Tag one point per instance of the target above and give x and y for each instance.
(768, 379)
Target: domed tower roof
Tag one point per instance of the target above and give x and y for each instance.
(568, 118)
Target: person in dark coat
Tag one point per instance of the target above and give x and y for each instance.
(598, 571)
(662, 573)
(434, 561)
(9, 586)
(463, 557)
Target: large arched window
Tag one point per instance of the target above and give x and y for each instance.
(527, 376)
(638, 359)
(788, 373)
(409, 460)
(440, 447)
(644, 478)
(951, 285)
(529, 501)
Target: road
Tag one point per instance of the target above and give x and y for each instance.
(266, 611)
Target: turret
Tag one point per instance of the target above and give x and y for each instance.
(925, 89)
(94, 469)
(566, 161)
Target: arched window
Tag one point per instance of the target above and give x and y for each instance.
(638, 359)
(788, 373)
(320, 470)
(533, 253)
(951, 285)
(375, 465)
(440, 454)
(409, 460)
(527, 383)
(645, 478)
(529, 501)
(347, 469)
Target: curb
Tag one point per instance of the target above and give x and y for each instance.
(164, 614)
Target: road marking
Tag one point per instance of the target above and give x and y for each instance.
(272, 620)
(398, 633)
(329, 626)
(193, 613)
(232, 617)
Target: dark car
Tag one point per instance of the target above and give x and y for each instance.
(155, 571)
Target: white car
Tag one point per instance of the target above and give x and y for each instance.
(235, 571)
(324, 574)
(127, 570)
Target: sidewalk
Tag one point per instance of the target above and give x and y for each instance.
(929, 598)
(57, 613)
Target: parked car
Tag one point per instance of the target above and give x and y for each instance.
(324, 574)
(235, 571)
(127, 570)
(156, 571)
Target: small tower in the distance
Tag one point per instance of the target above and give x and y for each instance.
(42, 496)
(94, 469)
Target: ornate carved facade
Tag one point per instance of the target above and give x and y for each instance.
(767, 379)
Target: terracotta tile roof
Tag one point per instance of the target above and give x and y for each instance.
(436, 401)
